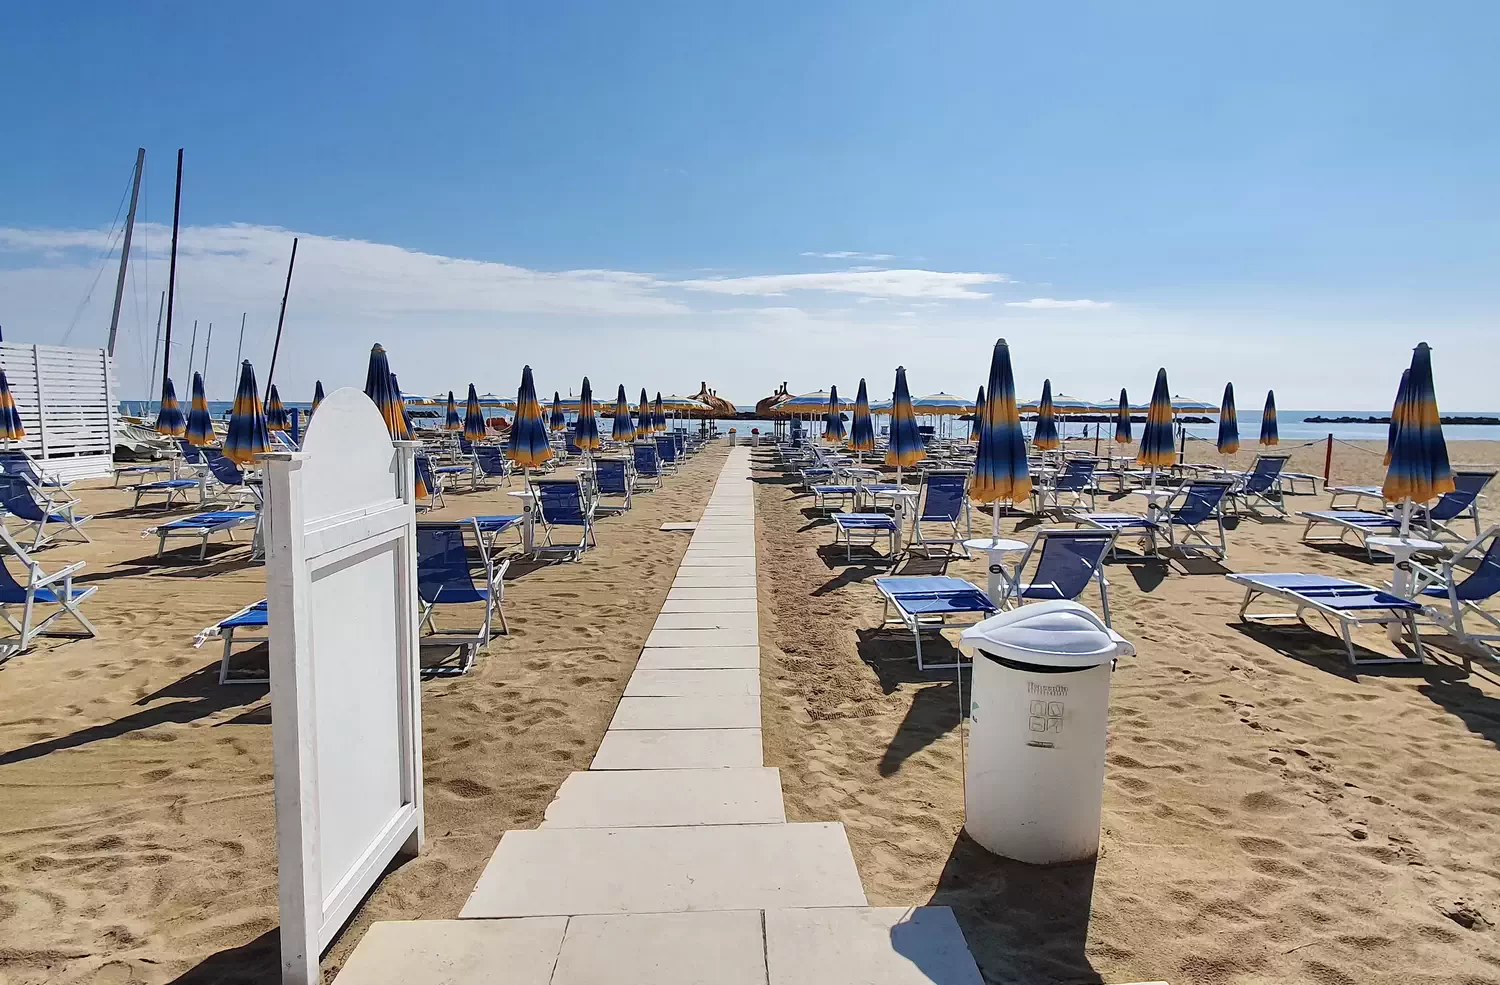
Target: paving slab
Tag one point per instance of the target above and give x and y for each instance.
(719, 550)
(686, 683)
(718, 564)
(661, 798)
(458, 952)
(672, 605)
(554, 871)
(698, 711)
(708, 948)
(692, 578)
(707, 620)
(882, 945)
(678, 749)
(679, 526)
(699, 658)
(709, 592)
(737, 636)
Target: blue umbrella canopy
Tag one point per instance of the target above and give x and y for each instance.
(1268, 435)
(276, 415)
(169, 418)
(623, 429)
(1000, 470)
(905, 447)
(1229, 423)
(940, 404)
(317, 394)
(643, 421)
(833, 421)
(380, 388)
(559, 420)
(10, 418)
(658, 414)
(1419, 471)
(1122, 420)
(1390, 435)
(200, 426)
(588, 425)
(862, 431)
(473, 417)
(248, 435)
(976, 423)
(1156, 450)
(451, 420)
(401, 400)
(1045, 437)
(528, 446)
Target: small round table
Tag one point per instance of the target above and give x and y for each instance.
(528, 525)
(1401, 550)
(1155, 499)
(997, 547)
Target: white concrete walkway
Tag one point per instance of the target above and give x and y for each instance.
(670, 861)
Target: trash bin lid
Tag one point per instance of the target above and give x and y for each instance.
(1048, 634)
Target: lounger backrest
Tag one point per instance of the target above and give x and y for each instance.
(570, 441)
(1070, 558)
(12, 592)
(667, 446)
(424, 473)
(191, 453)
(222, 468)
(442, 561)
(465, 445)
(19, 463)
(491, 461)
(944, 499)
(1484, 581)
(1078, 474)
(15, 496)
(1467, 487)
(1201, 500)
(646, 462)
(1265, 472)
(561, 501)
(611, 475)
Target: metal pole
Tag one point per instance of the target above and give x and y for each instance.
(276, 347)
(193, 348)
(240, 350)
(166, 355)
(1328, 461)
(207, 347)
(156, 349)
(135, 191)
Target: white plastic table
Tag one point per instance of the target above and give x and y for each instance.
(1401, 550)
(528, 525)
(997, 547)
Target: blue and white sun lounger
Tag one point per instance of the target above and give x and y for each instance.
(249, 626)
(445, 578)
(927, 602)
(1460, 586)
(202, 526)
(493, 525)
(1360, 523)
(871, 525)
(172, 489)
(1350, 602)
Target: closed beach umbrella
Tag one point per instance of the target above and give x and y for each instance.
(559, 420)
(451, 421)
(588, 424)
(200, 427)
(905, 447)
(1390, 435)
(1156, 450)
(862, 431)
(976, 421)
(248, 435)
(1268, 435)
(643, 421)
(1229, 423)
(401, 401)
(276, 415)
(658, 414)
(317, 394)
(380, 389)
(1419, 470)
(1000, 470)
(528, 446)
(833, 429)
(10, 418)
(473, 417)
(1122, 421)
(169, 418)
(623, 429)
(1045, 437)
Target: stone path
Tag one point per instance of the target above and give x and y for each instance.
(670, 860)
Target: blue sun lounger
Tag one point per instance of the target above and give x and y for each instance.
(1360, 523)
(871, 525)
(444, 577)
(495, 524)
(1460, 585)
(1349, 602)
(249, 626)
(172, 489)
(563, 503)
(926, 602)
(202, 526)
(16, 500)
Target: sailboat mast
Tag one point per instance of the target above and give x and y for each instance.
(207, 348)
(156, 349)
(240, 350)
(193, 348)
(166, 354)
(135, 191)
(276, 347)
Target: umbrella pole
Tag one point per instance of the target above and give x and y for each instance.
(995, 521)
(1406, 508)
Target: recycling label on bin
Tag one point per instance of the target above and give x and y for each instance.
(1045, 713)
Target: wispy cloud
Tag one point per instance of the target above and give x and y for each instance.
(848, 255)
(1079, 303)
(868, 283)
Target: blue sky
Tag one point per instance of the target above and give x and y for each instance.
(1287, 195)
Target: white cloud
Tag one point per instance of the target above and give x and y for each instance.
(848, 255)
(872, 283)
(1080, 303)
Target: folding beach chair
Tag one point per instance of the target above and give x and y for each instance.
(203, 526)
(668, 450)
(1462, 502)
(444, 577)
(612, 478)
(172, 489)
(647, 466)
(1464, 582)
(926, 602)
(230, 477)
(1359, 523)
(42, 588)
(563, 503)
(1257, 486)
(432, 481)
(282, 441)
(1202, 501)
(1066, 561)
(1076, 480)
(944, 503)
(491, 463)
(248, 627)
(18, 463)
(17, 498)
(465, 446)
(1349, 602)
(191, 454)
(846, 526)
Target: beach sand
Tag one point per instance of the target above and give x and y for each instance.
(1269, 816)
(136, 819)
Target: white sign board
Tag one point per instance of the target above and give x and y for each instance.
(341, 582)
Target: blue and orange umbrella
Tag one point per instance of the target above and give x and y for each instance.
(169, 418)
(833, 421)
(528, 445)
(587, 438)
(976, 423)
(1268, 435)
(11, 428)
(1045, 436)
(473, 417)
(643, 424)
(559, 420)
(1229, 423)
(905, 447)
(1122, 421)
(451, 421)
(380, 388)
(248, 435)
(1390, 435)
(1001, 474)
(276, 415)
(200, 426)
(658, 414)
(1156, 451)
(623, 429)
(405, 415)
(317, 395)
(862, 429)
(1419, 471)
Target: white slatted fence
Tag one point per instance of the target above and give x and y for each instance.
(66, 396)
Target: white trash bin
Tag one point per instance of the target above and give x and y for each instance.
(1037, 720)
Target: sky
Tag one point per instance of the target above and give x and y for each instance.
(1282, 195)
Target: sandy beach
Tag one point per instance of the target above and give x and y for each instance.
(136, 819)
(1269, 816)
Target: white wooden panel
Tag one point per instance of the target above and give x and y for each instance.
(66, 399)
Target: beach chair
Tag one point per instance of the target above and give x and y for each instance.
(40, 588)
(927, 602)
(668, 450)
(432, 481)
(846, 493)
(172, 489)
(846, 526)
(230, 478)
(490, 463)
(945, 504)
(1359, 523)
(444, 577)
(1358, 494)
(1463, 583)
(563, 503)
(1257, 486)
(17, 497)
(647, 466)
(282, 441)
(203, 526)
(612, 478)
(1202, 502)
(191, 454)
(139, 472)
(1290, 480)
(1349, 602)
(495, 524)
(248, 627)
(1076, 480)
(1462, 502)
(19, 463)
(465, 446)
(1066, 562)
